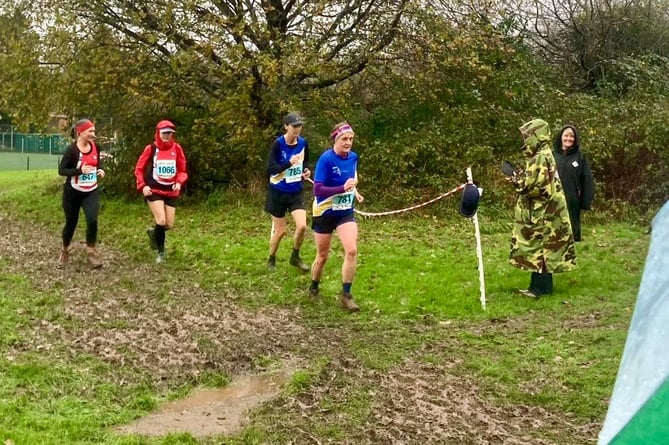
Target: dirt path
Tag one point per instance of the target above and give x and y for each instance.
(169, 329)
(126, 314)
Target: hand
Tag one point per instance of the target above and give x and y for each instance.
(516, 178)
(86, 169)
(176, 187)
(350, 184)
(146, 191)
(101, 173)
(306, 173)
(359, 197)
(295, 159)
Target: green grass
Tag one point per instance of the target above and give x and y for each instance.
(17, 161)
(18, 181)
(417, 283)
(48, 394)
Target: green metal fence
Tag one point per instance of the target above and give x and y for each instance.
(15, 160)
(36, 151)
(32, 142)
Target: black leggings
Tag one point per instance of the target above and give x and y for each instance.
(73, 200)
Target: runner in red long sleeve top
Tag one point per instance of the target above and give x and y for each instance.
(160, 174)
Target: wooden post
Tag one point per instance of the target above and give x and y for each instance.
(479, 250)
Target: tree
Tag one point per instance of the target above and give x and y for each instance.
(589, 38)
(24, 77)
(267, 45)
(224, 70)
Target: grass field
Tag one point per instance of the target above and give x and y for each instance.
(17, 161)
(82, 351)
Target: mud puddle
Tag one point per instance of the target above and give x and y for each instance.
(208, 412)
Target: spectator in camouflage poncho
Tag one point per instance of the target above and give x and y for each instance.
(542, 240)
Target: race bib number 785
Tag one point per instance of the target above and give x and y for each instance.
(294, 173)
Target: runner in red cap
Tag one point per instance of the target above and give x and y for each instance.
(160, 174)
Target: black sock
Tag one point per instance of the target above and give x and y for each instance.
(160, 237)
(314, 284)
(296, 252)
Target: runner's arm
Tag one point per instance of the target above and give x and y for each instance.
(273, 167)
(68, 164)
(323, 191)
(182, 173)
(141, 166)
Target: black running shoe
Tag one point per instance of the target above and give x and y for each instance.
(152, 238)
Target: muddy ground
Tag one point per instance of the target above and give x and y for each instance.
(115, 314)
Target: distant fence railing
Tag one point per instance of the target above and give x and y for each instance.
(32, 142)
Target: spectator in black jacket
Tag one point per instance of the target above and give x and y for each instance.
(575, 175)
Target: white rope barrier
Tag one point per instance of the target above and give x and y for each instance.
(474, 218)
(407, 209)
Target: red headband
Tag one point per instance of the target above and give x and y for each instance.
(84, 126)
(338, 131)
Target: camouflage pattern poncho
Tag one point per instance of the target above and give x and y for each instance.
(541, 230)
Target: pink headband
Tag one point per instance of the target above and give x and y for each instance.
(338, 131)
(84, 126)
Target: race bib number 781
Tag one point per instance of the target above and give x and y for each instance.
(343, 201)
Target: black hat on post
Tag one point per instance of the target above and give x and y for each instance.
(470, 200)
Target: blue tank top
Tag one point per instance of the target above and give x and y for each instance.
(289, 180)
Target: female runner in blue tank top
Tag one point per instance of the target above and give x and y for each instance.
(335, 194)
(287, 165)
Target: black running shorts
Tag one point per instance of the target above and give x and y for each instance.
(329, 223)
(171, 202)
(278, 202)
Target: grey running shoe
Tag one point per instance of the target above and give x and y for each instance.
(152, 238)
(271, 263)
(346, 301)
(161, 257)
(313, 294)
(297, 262)
(528, 293)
